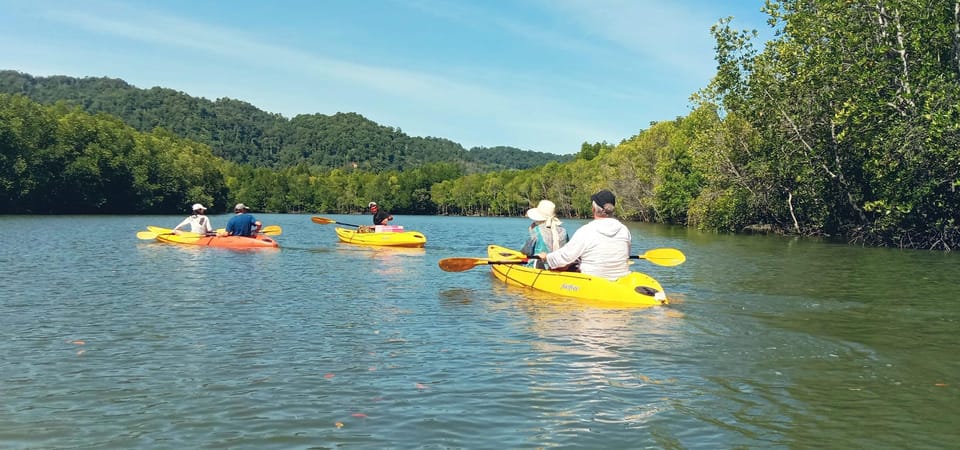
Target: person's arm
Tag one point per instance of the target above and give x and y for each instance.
(530, 247)
(181, 225)
(568, 254)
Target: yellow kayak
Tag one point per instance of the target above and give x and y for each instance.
(635, 289)
(412, 239)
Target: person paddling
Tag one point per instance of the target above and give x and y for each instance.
(199, 223)
(243, 223)
(545, 234)
(380, 217)
(602, 245)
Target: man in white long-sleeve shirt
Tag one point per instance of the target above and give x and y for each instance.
(602, 245)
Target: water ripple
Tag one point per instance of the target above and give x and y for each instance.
(119, 343)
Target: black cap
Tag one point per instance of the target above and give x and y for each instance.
(603, 197)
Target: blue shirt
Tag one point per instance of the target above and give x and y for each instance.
(241, 225)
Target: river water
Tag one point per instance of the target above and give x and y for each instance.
(770, 342)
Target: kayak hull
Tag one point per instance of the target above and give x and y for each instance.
(634, 290)
(408, 239)
(237, 242)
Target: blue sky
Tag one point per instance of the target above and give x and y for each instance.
(544, 75)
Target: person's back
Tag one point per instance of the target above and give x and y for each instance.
(544, 238)
(545, 234)
(602, 246)
(199, 223)
(242, 224)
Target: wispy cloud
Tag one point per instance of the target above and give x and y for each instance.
(662, 32)
(670, 34)
(658, 40)
(558, 70)
(164, 30)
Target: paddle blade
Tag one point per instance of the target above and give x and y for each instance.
(459, 264)
(322, 220)
(151, 235)
(272, 230)
(269, 230)
(664, 257)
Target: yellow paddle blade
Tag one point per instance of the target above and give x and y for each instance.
(151, 235)
(272, 230)
(664, 256)
(269, 230)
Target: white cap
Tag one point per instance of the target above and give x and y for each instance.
(371, 204)
(197, 206)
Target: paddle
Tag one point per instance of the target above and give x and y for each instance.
(149, 235)
(326, 221)
(659, 256)
(461, 264)
(270, 230)
(146, 235)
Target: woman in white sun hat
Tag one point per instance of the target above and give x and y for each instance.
(545, 233)
(199, 223)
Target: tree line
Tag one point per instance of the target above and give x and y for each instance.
(240, 132)
(57, 159)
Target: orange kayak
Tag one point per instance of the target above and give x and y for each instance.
(238, 242)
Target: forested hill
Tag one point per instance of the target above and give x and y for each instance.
(240, 132)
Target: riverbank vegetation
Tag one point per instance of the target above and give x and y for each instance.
(846, 124)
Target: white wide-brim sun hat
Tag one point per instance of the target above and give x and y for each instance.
(545, 210)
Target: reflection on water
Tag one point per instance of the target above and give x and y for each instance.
(114, 342)
(388, 260)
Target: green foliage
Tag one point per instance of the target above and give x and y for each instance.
(854, 109)
(720, 210)
(505, 158)
(238, 131)
(589, 151)
(60, 160)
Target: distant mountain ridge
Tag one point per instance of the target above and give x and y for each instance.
(240, 132)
